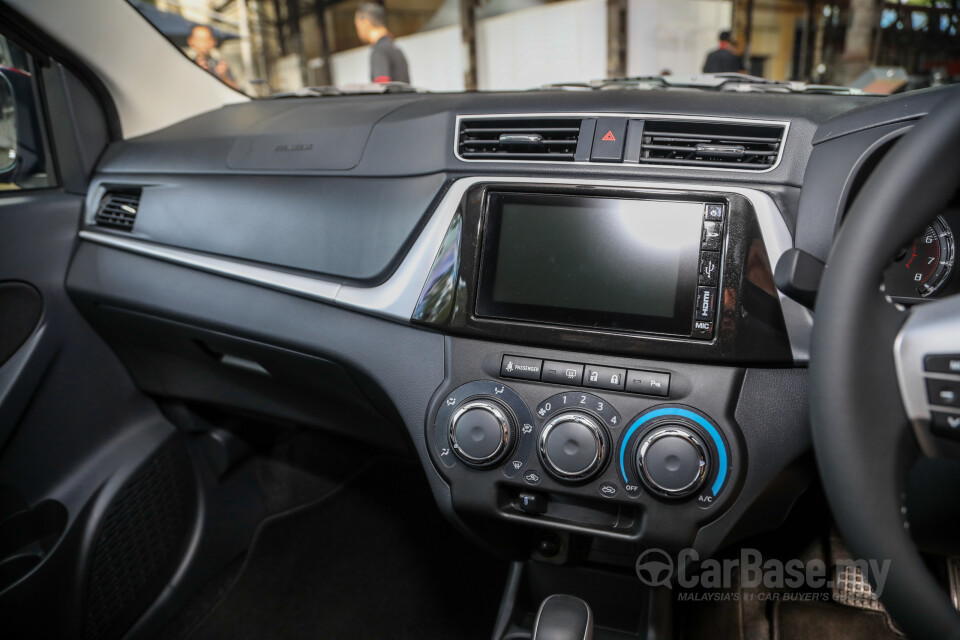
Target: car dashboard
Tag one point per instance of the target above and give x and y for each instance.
(564, 302)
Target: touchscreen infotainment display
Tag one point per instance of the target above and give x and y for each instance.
(591, 261)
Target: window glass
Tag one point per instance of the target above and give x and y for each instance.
(265, 47)
(23, 156)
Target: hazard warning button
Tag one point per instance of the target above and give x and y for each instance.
(608, 140)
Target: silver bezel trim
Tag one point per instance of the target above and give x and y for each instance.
(501, 418)
(629, 116)
(652, 484)
(597, 434)
(397, 298)
(931, 328)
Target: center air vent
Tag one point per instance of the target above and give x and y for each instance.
(711, 144)
(118, 209)
(550, 139)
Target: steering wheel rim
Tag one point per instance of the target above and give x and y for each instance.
(861, 435)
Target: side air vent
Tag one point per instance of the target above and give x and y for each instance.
(550, 139)
(118, 209)
(711, 144)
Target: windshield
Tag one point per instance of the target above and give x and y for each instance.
(324, 47)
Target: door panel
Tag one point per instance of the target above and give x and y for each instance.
(89, 466)
(110, 516)
(20, 307)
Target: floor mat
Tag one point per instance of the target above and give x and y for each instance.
(827, 621)
(375, 559)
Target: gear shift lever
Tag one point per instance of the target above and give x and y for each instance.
(562, 617)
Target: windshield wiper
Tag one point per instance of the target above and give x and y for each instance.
(607, 83)
(747, 84)
(351, 90)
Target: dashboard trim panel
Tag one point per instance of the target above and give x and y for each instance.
(397, 298)
(304, 286)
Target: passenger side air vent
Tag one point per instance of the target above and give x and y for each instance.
(118, 209)
(550, 139)
(711, 144)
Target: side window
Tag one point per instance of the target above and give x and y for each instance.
(24, 160)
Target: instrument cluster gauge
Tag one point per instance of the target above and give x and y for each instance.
(923, 268)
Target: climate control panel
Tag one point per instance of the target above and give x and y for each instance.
(675, 452)
(484, 424)
(573, 460)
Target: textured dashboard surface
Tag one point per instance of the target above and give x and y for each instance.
(411, 135)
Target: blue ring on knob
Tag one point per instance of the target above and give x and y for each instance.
(700, 420)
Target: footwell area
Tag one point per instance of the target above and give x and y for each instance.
(826, 621)
(374, 558)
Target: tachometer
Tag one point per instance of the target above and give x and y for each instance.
(925, 266)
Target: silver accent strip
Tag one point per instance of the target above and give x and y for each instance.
(307, 287)
(631, 116)
(931, 328)
(520, 138)
(953, 573)
(397, 297)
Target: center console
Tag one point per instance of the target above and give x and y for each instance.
(599, 338)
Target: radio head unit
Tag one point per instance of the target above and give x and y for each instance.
(651, 272)
(623, 264)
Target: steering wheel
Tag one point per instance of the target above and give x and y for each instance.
(869, 407)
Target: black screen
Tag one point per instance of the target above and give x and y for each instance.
(591, 261)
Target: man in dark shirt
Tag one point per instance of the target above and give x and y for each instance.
(387, 63)
(723, 60)
(203, 46)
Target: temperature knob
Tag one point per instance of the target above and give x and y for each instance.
(673, 461)
(573, 446)
(482, 432)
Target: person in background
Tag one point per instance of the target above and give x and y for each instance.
(387, 62)
(202, 44)
(723, 59)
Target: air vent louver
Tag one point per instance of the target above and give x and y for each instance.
(537, 139)
(711, 144)
(118, 209)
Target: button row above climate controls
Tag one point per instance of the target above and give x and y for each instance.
(653, 383)
(567, 373)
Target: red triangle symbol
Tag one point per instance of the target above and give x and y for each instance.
(609, 137)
